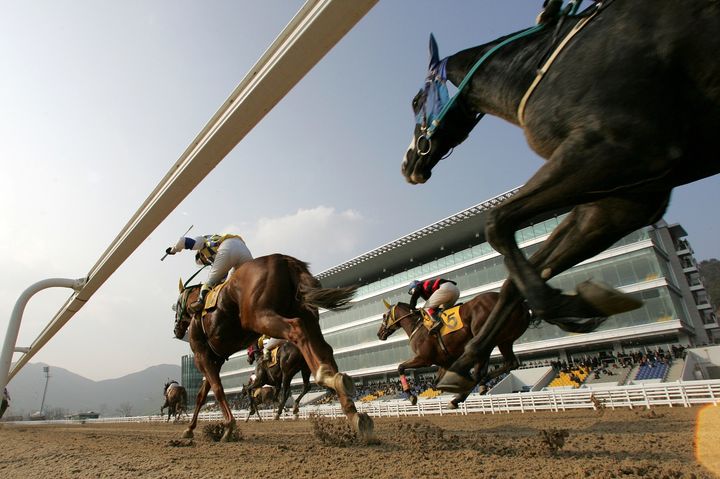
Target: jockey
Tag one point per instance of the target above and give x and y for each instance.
(438, 294)
(223, 252)
(268, 345)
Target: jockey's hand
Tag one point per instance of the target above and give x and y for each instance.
(170, 250)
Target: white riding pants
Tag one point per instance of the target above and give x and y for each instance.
(446, 296)
(231, 254)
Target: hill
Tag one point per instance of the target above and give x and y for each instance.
(134, 394)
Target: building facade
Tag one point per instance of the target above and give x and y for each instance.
(654, 264)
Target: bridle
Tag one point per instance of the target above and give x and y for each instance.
(391, 323)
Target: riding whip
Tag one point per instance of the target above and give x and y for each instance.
(166, 254)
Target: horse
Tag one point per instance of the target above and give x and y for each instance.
(289, 362)
(624, 107)
(264, 395)
(175, 400)
(429, 351)
(275, 295)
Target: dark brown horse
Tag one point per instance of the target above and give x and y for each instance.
(273, 295)
(628, 110)
(175, 400)
(428, 350)
(289, 362)
(264, 395)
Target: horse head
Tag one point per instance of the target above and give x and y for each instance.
(182, 316)
(391, 319)
(252, 353)
(441, 122)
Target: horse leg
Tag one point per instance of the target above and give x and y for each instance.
(318, 354)
(212, 374)
(510, 363)
(283, 394)
(306, 387)
(599, 224)
(199, 402)
(412, 363)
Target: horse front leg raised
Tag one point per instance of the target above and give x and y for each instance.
(412, 363)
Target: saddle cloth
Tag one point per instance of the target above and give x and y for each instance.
(450, 317)
(211, 300)
(274, 355)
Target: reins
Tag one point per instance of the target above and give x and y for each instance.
(430, 130)
(544, 69)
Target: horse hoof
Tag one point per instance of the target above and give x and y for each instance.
(413, 400)
(364, 426)
(452, 405)
(188, 434)
(452, 382)
(277, 417)
(606, 299)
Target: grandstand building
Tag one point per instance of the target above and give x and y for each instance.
(655, 264)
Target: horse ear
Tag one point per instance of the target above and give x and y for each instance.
(181, 285)
(434, 54)
(385, 302)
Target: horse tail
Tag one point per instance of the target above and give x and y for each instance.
(311, 293)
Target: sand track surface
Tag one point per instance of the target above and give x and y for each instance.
(659, 443)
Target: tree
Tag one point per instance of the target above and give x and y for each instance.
(710, 275)
(125, 409)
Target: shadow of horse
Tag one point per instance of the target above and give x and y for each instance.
(275, 295)
(622, 100)
(175, 400)
(289, 362)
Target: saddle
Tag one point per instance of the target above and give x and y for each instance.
(450, 317)
(212, 296)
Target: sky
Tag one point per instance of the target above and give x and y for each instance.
(100, 98)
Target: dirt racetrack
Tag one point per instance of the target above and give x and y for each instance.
(656, 443)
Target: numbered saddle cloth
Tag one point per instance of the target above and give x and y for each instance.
(450, 317)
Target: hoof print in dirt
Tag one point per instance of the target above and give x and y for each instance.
(554, 439)
(333, 432)
(179, 443)
(215, 432)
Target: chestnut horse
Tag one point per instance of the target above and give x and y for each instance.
(289, 362)
(175, 400)
(275, 295)
(622, 100)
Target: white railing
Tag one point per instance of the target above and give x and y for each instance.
(685, 394)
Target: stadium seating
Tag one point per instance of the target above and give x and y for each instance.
(652, 370)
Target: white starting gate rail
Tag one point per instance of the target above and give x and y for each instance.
(315, 29)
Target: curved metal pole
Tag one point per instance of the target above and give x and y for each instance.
(14, 325)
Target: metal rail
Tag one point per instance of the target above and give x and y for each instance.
(314, 30)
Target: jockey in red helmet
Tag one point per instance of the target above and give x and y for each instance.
(438, 294)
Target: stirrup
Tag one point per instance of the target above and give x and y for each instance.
(435, 328)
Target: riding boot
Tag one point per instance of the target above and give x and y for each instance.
(198, 305)
(435, 316)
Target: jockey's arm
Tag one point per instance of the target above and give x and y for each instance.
(184, 242)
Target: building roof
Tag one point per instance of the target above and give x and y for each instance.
(454, 233)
